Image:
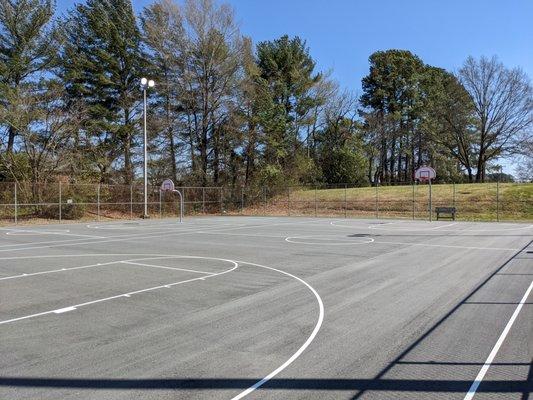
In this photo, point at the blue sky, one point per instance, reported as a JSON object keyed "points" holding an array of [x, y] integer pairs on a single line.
{"points": [[343, 33]]}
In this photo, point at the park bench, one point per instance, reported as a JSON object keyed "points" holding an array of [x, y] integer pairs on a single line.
{"points": [[446, 210]]}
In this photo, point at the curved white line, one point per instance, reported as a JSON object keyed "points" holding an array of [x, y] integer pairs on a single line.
{"points": [[258, 384], [66, 232], [302, 347], [358, 224], [384, 225], [129, 294], [340, 242]]}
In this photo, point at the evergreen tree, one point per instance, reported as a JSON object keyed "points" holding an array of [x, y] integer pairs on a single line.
{"points": [[289, 73], [27, 49], [101, 65]]}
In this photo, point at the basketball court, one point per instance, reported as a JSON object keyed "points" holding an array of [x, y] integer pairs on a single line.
{"points": [[266, 308]]}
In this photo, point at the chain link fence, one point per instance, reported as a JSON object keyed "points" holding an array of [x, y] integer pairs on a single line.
{"points": [[473, 202], [57, 202]]}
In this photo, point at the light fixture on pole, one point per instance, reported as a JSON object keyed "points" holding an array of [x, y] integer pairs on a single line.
{"points": [[145, 84]]}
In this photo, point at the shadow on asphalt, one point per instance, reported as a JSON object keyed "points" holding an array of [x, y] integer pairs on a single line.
{"points": [[360, 386]]}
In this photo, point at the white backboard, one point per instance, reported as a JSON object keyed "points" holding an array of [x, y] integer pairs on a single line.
{"points": [[425, 173], [167, 185]]}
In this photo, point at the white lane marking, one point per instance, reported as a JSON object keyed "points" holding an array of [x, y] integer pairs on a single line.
{"points": [[327, 241], [57, 270], [461, 228], [242, 234], [386, 242], [75, 242], [123, 238], [168, 285], [162, 232], [163, 267], [140, 226], [64, 310], [444, 226], [479, 378], [78, 240], [252, 388], [499, 229], [66, 232], [302, 348], [451, 246], [74, 268], [358, 224]]}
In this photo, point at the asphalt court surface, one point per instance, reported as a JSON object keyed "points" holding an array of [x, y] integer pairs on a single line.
{"points": [[266, 308]]}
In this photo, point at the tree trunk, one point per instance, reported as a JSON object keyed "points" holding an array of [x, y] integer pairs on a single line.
{"points": [[11, 139], [128, 167], [216, 156], [480, 168], [173, 154]]}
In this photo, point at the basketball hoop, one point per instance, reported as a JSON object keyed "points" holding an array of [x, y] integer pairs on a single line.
{"points": [[168, 186], [425, 174]]}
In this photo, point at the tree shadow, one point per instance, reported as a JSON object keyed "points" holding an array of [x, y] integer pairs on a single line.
{"points": [[525, 387]]}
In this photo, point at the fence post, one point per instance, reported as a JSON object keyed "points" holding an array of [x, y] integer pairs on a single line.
{"points": [[413, 201], [60, 201], [203, 200], [242, 200], [498, 200], [16, 204], [377, 200], [454, 194], [430, 202], [345, 200], [289, 200], [131, 201], [316, 206], [98, 202], [263, 192], [160, 205], [221, 206]]}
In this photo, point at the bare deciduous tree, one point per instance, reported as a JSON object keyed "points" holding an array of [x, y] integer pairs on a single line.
{"points": [[503, 100]]}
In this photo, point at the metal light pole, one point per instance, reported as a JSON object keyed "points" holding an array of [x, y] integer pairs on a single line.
{"points": [[145, 84]]}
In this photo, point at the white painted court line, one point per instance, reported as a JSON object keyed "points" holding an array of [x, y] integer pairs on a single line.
{"points": [[451, 246], [444, 226], [357, 224], [377, 242], [52, 271], [35, 232], [252, 388], [129, 294], [498, 229], [479, 378], [64, 310], [76, 242], [242, 234], [461, 228], [100, 237], [160, 232], [302, 348], [25, 275], [163, 267], [328, 240]]}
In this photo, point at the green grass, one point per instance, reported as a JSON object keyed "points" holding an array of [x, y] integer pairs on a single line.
{"points": [[473, 201]]}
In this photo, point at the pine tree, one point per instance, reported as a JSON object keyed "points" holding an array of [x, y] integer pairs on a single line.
{"points": [[27, 48], [101, 65]]}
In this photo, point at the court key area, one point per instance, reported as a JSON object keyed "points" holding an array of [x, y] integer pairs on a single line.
{"points": [[266, 308]]}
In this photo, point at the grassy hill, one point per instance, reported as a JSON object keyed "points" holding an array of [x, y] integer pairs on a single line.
{"points": [[473, 201]]}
